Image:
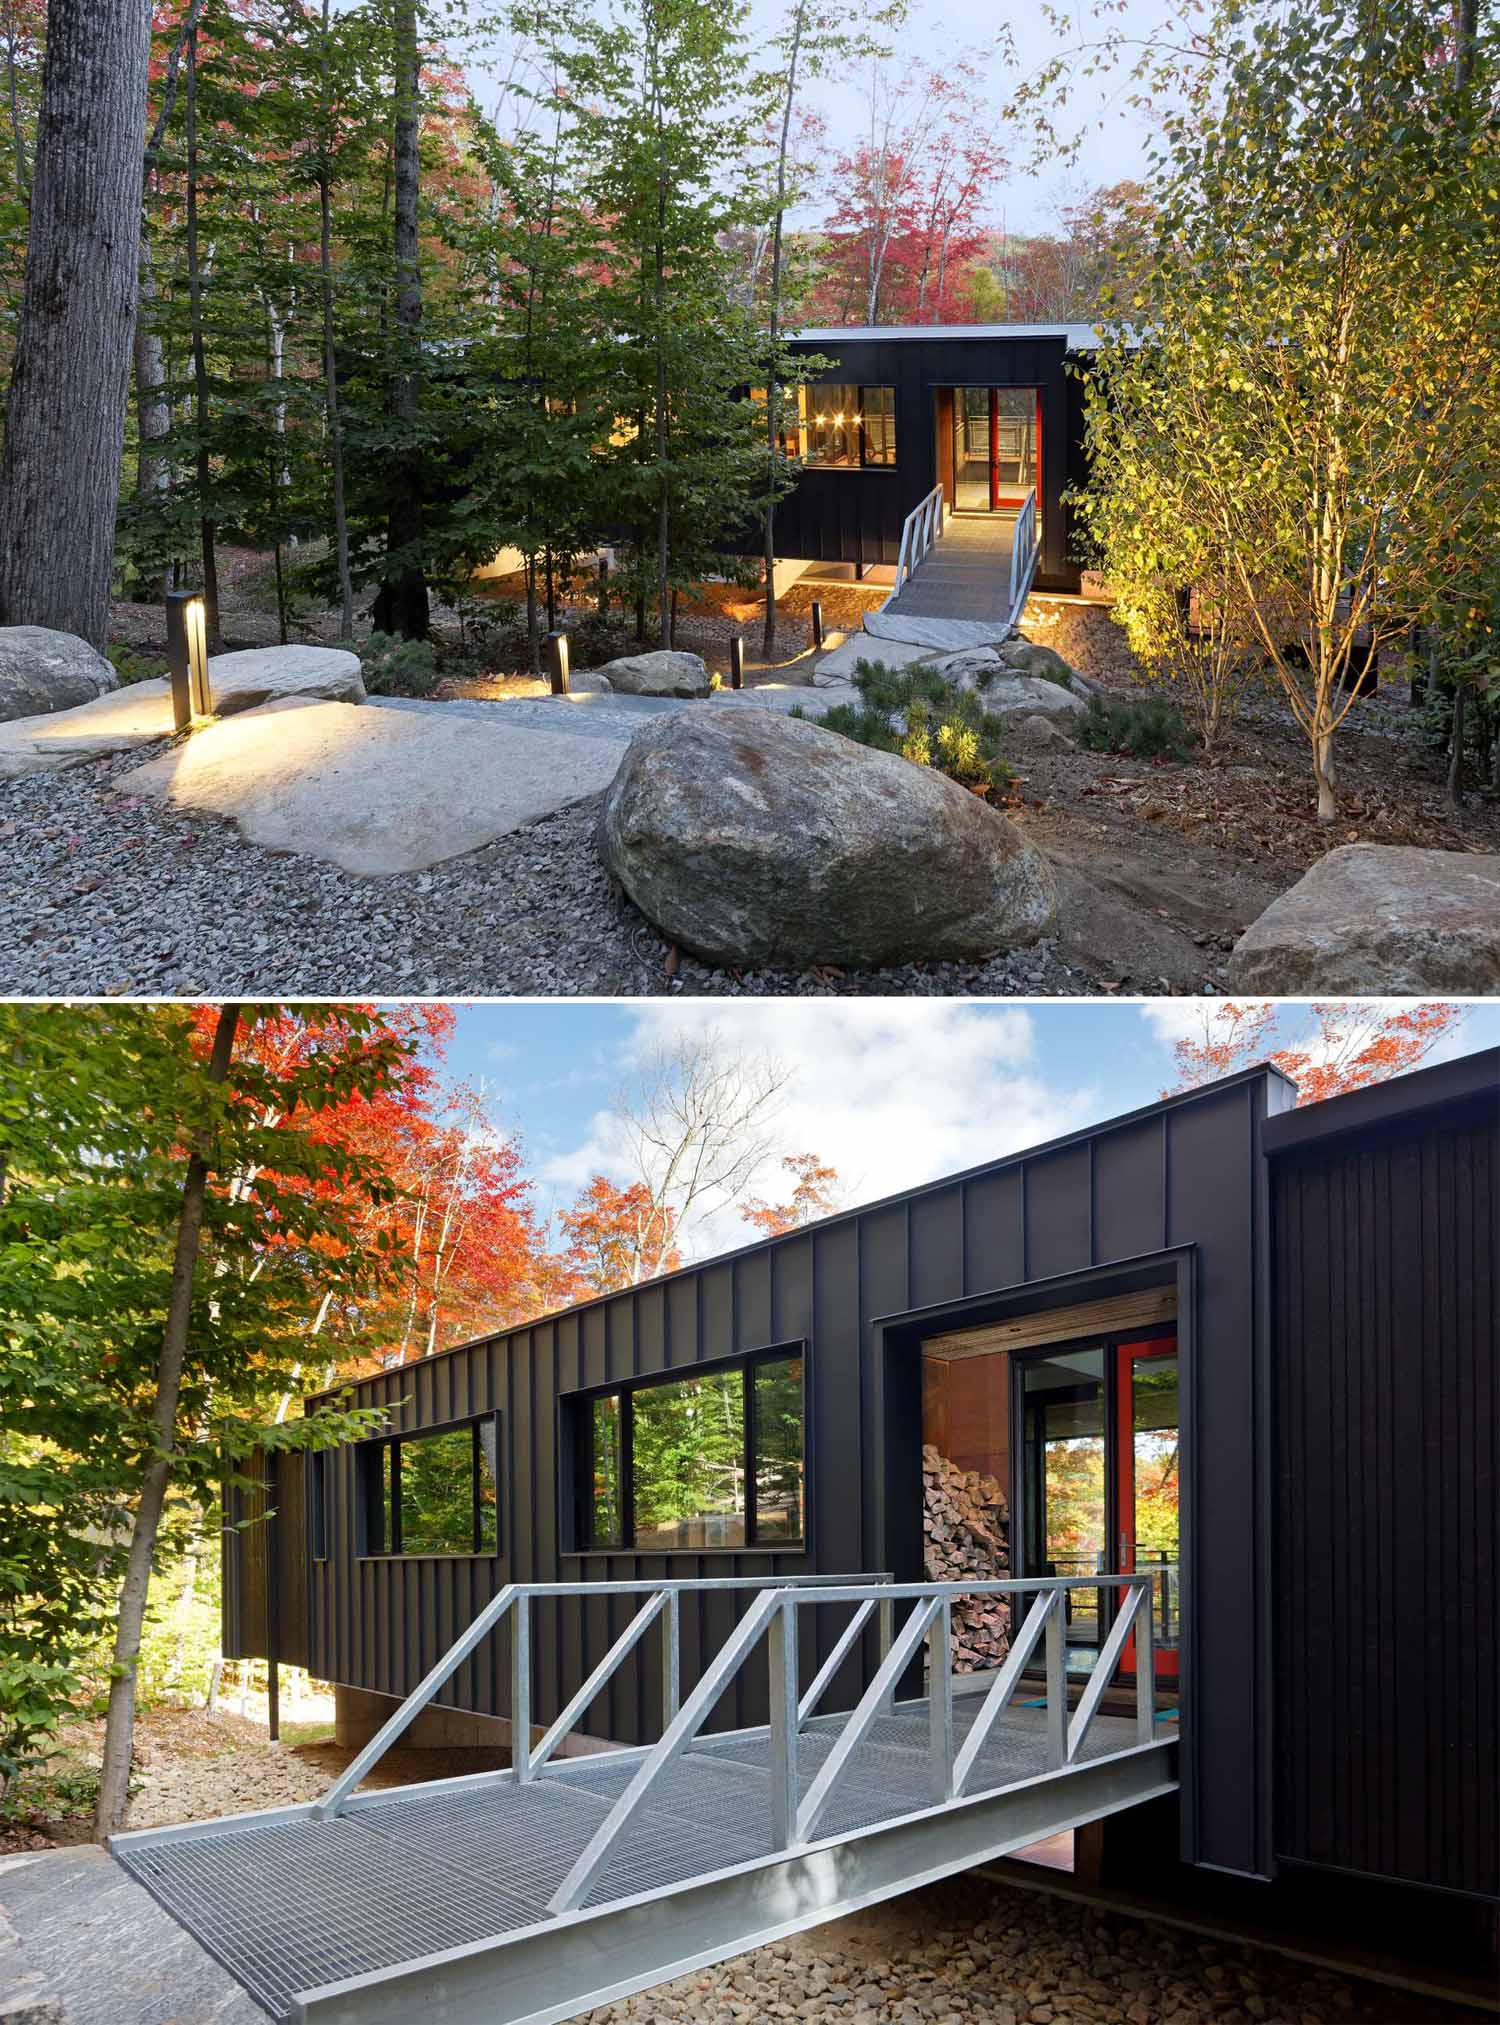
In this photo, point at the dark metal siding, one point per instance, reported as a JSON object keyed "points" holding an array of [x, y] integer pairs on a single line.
{"points": [[1387, 1539], [265, 1566], [1179, 1174], [857, 516]]}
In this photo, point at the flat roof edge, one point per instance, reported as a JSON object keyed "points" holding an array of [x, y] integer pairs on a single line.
{"points": [[1260, 1072], [1466, 1078]]}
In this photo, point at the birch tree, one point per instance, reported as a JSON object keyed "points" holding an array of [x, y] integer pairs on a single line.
{"points": [[1301, 383], [696, 1128]]}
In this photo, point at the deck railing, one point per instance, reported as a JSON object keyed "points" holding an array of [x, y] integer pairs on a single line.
{"points": [[923, 526], [1023, 552], [796, 1815]]}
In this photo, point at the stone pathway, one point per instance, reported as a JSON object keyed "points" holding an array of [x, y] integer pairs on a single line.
{"points": [[596, 715], [377, 791], [107, 1950]]}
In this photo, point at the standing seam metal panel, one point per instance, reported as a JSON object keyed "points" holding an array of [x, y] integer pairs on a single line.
{"points": [[1387, 1545]]}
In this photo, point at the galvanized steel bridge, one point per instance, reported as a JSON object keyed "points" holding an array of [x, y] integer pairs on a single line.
{"points": [[961, 579], [530, 1895]]}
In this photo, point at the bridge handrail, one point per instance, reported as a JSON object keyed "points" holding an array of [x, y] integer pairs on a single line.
{"points": [[922, 527], [796, 1817], [1023, 554], [517, 1597], [773, 1614]]}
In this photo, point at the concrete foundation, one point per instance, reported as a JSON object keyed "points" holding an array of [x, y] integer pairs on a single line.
{"points": [[358, 1715]]}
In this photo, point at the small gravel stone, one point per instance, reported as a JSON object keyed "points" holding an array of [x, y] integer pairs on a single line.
{"points": [[104, 894]]}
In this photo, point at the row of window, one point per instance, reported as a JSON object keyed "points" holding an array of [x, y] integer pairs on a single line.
{"points": [[712, 1459]]}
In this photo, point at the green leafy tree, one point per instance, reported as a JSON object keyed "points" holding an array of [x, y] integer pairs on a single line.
{"points": [[665, 107], [171, 1216], [1298, 405]]}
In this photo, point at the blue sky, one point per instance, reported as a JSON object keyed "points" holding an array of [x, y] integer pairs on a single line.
{"points": [[890, 1091]]}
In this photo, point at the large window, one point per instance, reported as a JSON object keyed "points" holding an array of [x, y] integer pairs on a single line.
{"points": [[847, 427], [711, 1459], [433, 1493]]}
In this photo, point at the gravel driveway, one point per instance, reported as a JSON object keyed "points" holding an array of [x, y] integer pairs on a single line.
{"points": [[103, 894]]}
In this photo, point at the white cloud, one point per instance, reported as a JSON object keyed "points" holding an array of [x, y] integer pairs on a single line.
{"points": [[891, 1092]]}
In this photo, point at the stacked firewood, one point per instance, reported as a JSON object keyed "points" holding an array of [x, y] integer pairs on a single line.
{"points": [[966, 1530]]}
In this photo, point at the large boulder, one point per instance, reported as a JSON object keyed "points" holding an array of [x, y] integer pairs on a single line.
{"points": [[1005, 693], [749, 837], [664, 673], [270, 674], [1379, 918], [42, 671]]}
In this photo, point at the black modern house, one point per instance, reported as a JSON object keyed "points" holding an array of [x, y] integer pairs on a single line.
{"points": [[1250, 1349], [986, 411]]}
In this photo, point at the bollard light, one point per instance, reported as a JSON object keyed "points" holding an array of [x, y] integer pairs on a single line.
{"points": [[187, 658], [202, 696], [178, 664], [737, 662], [557, 662], [817, 619]]}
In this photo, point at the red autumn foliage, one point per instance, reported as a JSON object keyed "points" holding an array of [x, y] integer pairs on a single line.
{"points": [[462, 1222], [815, 1194], [1354, 1043], [617, 1237]]}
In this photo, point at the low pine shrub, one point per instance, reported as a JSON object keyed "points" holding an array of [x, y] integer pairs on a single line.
{"points": [[1151, 728], [932, 722], [395, 667]]}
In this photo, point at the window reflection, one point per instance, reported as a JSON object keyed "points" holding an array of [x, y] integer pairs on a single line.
{"points": [[710, 1459]]}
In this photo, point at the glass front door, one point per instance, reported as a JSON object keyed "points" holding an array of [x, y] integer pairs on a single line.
{"points": [[996, 447], [1066, 1466], [1099, 1481]]}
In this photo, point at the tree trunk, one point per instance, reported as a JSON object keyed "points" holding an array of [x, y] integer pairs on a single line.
{"points": [[402, 606], [1456, 746], [773, 392], [331, 412], [330, 360], [207, 529], [153, 410], [70, 380], [119, 1729], [664, 490], [1323, 768]]}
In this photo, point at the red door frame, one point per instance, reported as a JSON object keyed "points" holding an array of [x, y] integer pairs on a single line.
{"points": [[1127, 1356]]}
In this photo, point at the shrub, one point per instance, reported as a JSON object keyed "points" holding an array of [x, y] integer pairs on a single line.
{"points": [[1149, 729], [133, 667], [395, 667], [932, 722], [597, 637]]}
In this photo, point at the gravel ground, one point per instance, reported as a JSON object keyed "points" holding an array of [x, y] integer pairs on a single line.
{"points": [[972, 1949], [102, 894]]}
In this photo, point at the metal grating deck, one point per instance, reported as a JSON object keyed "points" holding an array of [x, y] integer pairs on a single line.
{"points": [[287, 1903]]}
